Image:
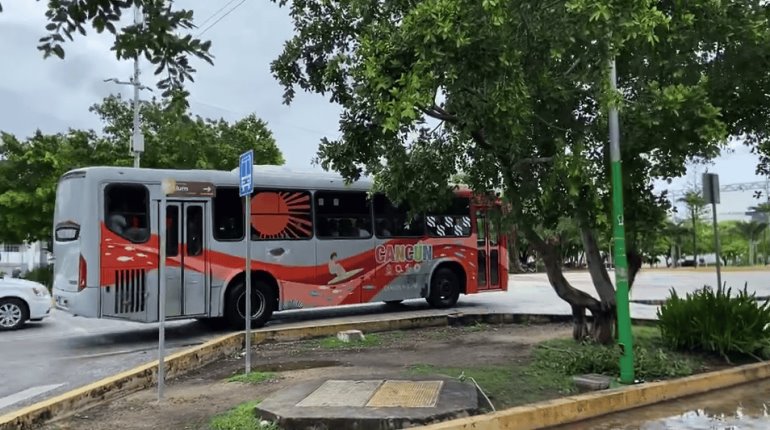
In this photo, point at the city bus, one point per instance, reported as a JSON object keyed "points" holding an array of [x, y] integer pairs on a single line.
{"points": [[316, 241]]}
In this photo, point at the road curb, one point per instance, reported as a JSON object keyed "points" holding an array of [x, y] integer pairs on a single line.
{"points": [[181, 362], [568, 410]]}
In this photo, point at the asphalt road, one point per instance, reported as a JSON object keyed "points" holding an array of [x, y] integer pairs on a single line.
{"points": [[64, 352]]}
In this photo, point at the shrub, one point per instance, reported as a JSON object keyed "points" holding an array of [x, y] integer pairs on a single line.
{"points": [[44, 275], [714, 321], [651, 359]]}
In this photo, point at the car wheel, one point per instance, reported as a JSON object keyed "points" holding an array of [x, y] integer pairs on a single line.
{"points": [[444, 289], [13, 314], [262, 305]]}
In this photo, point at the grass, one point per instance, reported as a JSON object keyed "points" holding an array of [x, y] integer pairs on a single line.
{"points": [[241, 417], [506, 386], [253, 377], [332, 342], [549, 374]]}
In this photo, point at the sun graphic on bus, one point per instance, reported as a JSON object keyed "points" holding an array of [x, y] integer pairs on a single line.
{"points": [[281, 215]]}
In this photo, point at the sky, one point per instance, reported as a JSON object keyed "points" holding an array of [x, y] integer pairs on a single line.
{"points": [[53, 95]]}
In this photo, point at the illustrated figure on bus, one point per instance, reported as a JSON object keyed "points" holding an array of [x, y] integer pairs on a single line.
{"points": [[339, 272]]}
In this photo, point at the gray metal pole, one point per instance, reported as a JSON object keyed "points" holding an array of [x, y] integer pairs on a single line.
{"points": [[136, 84], [162, 296], [716, 243], [247, 211]]}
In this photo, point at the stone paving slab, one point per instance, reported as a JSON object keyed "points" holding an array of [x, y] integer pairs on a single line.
{"points": [[366, 403]]}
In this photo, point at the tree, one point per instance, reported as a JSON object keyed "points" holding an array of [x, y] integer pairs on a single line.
{"points": [[160, 39], [514, 94], [751, 230], [30, 169], [763, 210], [696, 205]]}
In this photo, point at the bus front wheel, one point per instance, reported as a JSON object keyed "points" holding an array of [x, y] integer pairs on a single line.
{"points": [[262, 304], [444, 288]]}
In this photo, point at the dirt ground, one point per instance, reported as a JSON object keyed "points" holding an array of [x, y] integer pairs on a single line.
{"points": [[192, 400]]}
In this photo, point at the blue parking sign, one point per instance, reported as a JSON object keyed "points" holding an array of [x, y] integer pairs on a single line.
{"points": [[247, 164]]}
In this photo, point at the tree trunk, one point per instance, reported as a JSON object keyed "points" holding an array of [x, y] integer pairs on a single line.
{"points": [[694, 238], [578, 300], [596, 269], [514, 263]]}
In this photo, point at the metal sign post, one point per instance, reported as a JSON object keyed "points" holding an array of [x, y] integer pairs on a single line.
{"points": [[711, 195], [167, 186], [246, 188]]}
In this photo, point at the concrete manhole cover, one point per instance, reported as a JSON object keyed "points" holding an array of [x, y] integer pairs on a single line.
{"points": [[406, 394]]}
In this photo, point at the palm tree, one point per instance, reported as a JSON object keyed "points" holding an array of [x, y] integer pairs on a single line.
{"points": [[675, 230], [695, 207], [751, 230]]}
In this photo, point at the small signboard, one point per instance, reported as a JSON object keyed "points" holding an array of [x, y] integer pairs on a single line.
{"points": [[711, 188], [174, 188], [246, 164]]}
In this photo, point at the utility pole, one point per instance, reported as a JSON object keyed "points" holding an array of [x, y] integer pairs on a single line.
{"points": [[625, 337], [137, 138]]}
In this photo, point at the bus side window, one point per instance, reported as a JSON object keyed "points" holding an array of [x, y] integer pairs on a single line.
{"points": [[392, 221], [126, 211], [228, 214], [454, 221], [343, 214]]}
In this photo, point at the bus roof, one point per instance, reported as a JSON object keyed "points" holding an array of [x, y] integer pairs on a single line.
{"points": [[264, 176]]}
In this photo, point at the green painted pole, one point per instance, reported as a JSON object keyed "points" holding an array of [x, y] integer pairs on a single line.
{"points": [[625, 338]]}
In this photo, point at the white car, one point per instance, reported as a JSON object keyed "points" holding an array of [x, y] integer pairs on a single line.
{"points": [[22, 301]]}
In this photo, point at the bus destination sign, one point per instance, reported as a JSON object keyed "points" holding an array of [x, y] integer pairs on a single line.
{"points": [[174, 188]]}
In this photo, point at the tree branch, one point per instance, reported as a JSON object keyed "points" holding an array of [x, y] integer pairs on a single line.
{"points": [[532, 160], [439, 113]]}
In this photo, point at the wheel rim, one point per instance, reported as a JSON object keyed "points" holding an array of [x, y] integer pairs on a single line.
{"points": [[10, 315], [257, 304]]}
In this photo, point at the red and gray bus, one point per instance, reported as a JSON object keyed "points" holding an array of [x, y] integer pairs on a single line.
{"points": [[316, 241]]}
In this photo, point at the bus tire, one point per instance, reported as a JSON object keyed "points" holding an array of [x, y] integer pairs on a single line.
{"points": [[262, 304], [444, 288]]}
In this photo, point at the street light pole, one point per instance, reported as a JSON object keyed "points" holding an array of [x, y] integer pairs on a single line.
{"points": [[137, 138], [625, 337]]}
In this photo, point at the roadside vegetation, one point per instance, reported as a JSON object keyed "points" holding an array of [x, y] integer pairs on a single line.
{"points": [[241, 417], [717, 322]]}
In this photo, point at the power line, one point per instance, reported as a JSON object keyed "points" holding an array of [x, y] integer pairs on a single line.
{"points": [[215, 13], [221, 18]]}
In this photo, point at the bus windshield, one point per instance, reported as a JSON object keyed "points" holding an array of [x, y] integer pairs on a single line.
{"points": [[68, 208]]}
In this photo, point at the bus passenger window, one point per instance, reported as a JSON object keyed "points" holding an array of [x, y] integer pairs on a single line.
{"points": [[126, 211], [194, 231], [392, 221], [228, 214], [172, 231], [343, 214], [454, 221]]}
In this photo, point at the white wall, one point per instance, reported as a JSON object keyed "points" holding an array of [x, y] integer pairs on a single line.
{"points": [[29, 257]]}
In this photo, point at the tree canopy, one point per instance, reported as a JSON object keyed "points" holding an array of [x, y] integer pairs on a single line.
{"points": [[30, 168], [515, 96]]}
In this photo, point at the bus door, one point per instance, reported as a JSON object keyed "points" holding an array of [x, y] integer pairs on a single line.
{"points": [[187, 288], [488, 244]]}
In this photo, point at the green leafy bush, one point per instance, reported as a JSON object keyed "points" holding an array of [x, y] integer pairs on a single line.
{"points": [[714, 321], [652, 360], [44, 275]]}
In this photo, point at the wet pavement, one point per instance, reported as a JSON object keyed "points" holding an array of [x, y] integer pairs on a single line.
{"points": [[741, 408]]}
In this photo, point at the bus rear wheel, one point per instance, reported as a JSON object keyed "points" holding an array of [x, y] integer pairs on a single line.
{"points": [[262, 304], [444, 289]]}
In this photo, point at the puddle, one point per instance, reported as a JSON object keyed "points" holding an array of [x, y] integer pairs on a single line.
{"points": [[295, 365], [746, 407]]}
